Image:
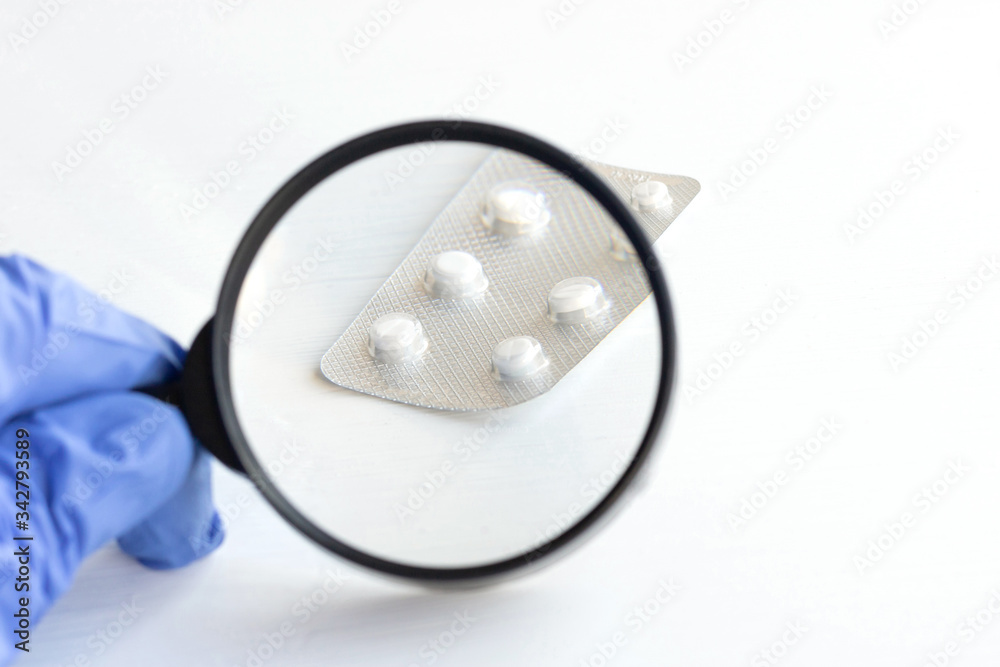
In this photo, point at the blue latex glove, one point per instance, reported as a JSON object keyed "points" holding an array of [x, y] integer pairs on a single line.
{"points": [[104, 462]]}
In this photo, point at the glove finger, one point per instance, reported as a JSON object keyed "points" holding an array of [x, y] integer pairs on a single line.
{"points": [[99, 466], [184, 529], [60, 341]]}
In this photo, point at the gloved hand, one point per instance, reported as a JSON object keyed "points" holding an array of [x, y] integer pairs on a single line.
{"points": [[95, 461]]}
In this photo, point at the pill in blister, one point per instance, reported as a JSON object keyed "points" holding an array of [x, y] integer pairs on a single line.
{"points": [[396, 338], [650, 195], [515, 208], [576, 300], [518, 358], [454, 275], [529, 228]]}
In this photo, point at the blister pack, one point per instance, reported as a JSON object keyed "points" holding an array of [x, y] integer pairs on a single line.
{"points": [[512, 285]]}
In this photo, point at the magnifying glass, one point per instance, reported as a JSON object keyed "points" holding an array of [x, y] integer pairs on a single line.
{"points": [[442, 351]]}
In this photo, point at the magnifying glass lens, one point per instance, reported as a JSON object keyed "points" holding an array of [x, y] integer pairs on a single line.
{"points": [[443, 356]]}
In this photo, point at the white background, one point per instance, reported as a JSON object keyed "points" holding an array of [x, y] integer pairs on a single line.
{"points": [[795, 560]]}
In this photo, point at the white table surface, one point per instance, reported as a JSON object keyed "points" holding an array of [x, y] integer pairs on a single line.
{"points": [[884, 98]]}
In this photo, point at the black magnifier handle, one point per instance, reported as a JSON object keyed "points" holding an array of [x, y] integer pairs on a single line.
{"points": [[168, 392], [194, 393]]}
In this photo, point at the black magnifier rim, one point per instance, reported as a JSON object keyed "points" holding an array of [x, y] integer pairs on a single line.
{"points": [[357, 149]]}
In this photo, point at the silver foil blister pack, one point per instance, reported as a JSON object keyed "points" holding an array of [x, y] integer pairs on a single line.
{"points": [[519, 277]]}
